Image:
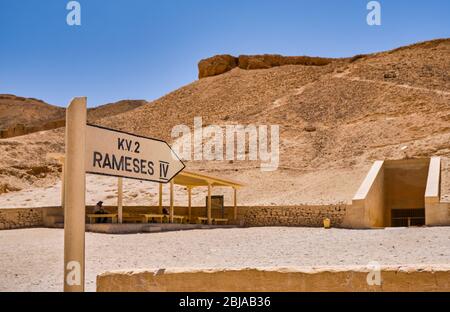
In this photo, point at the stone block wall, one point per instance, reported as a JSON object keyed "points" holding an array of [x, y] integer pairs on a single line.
{"points": [[310, 216], [21, 218]]}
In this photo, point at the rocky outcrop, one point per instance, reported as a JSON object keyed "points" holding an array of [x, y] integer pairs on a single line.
{"points": [[268, 60], [216, 65], [220, 64]]}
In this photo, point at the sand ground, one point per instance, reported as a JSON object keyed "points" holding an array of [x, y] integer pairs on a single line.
{"points": [[31, 259]]}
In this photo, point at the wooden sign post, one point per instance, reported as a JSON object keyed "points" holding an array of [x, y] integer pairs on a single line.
{"points": [[98, 150], [74, 196]]}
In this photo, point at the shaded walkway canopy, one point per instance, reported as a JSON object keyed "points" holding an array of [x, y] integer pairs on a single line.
{"points": [[190, 180], [185, 178]]}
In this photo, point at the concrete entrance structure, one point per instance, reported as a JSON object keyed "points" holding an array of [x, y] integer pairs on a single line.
{"points": [[399, 192]]}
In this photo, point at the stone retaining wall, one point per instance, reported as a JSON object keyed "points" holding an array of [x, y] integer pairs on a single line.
{"points": [[311, 216], [21, 218], [341, 279]]}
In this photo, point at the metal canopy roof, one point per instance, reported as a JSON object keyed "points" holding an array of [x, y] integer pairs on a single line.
{"points": [[189, 178]]}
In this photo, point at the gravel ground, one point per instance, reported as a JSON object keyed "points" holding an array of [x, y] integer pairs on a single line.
{"points": [[31, 259]]}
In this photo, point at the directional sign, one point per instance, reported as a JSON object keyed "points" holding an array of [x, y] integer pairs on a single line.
{"points": [[120, 154]]}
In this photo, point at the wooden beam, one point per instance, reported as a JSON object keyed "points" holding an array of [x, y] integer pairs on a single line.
{"points": [[208, 179], [209, 205], [120, 199], [171, 202]]}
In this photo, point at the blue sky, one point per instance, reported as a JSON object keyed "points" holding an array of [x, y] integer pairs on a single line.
{"points": [[143, 49]]}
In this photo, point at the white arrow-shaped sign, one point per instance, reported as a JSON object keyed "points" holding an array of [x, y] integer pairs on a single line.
{"points": [[120, 154]]}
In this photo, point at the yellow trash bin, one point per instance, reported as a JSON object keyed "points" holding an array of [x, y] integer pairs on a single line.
{"points": [[326, 223]]}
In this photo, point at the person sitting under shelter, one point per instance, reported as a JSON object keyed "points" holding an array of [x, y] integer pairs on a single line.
{"points": [[99, 210]]}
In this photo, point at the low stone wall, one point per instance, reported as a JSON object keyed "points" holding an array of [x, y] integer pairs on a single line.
{"points": [[342, 279], [21, 218], [310, 216]]}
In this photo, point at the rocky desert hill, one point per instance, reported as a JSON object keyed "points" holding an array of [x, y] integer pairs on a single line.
{"points": [[27, 111], [20, 116], [335, 118], [24, 160]]}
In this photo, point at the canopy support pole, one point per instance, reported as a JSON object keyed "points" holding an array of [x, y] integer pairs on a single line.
{"points": [[189, 189], [171, 202], [235, 212], [209, 204], [120, 199], [160, 197]]}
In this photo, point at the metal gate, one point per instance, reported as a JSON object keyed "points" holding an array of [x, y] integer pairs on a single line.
{"points": [[408, 217]]}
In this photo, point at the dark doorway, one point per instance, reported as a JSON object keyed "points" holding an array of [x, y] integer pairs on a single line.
{"points": [[404, 192], [408, 217], [217, 206]]}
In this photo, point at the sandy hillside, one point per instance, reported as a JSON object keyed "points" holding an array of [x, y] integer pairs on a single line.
{"points": [[112, 109], [334, 121]]}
